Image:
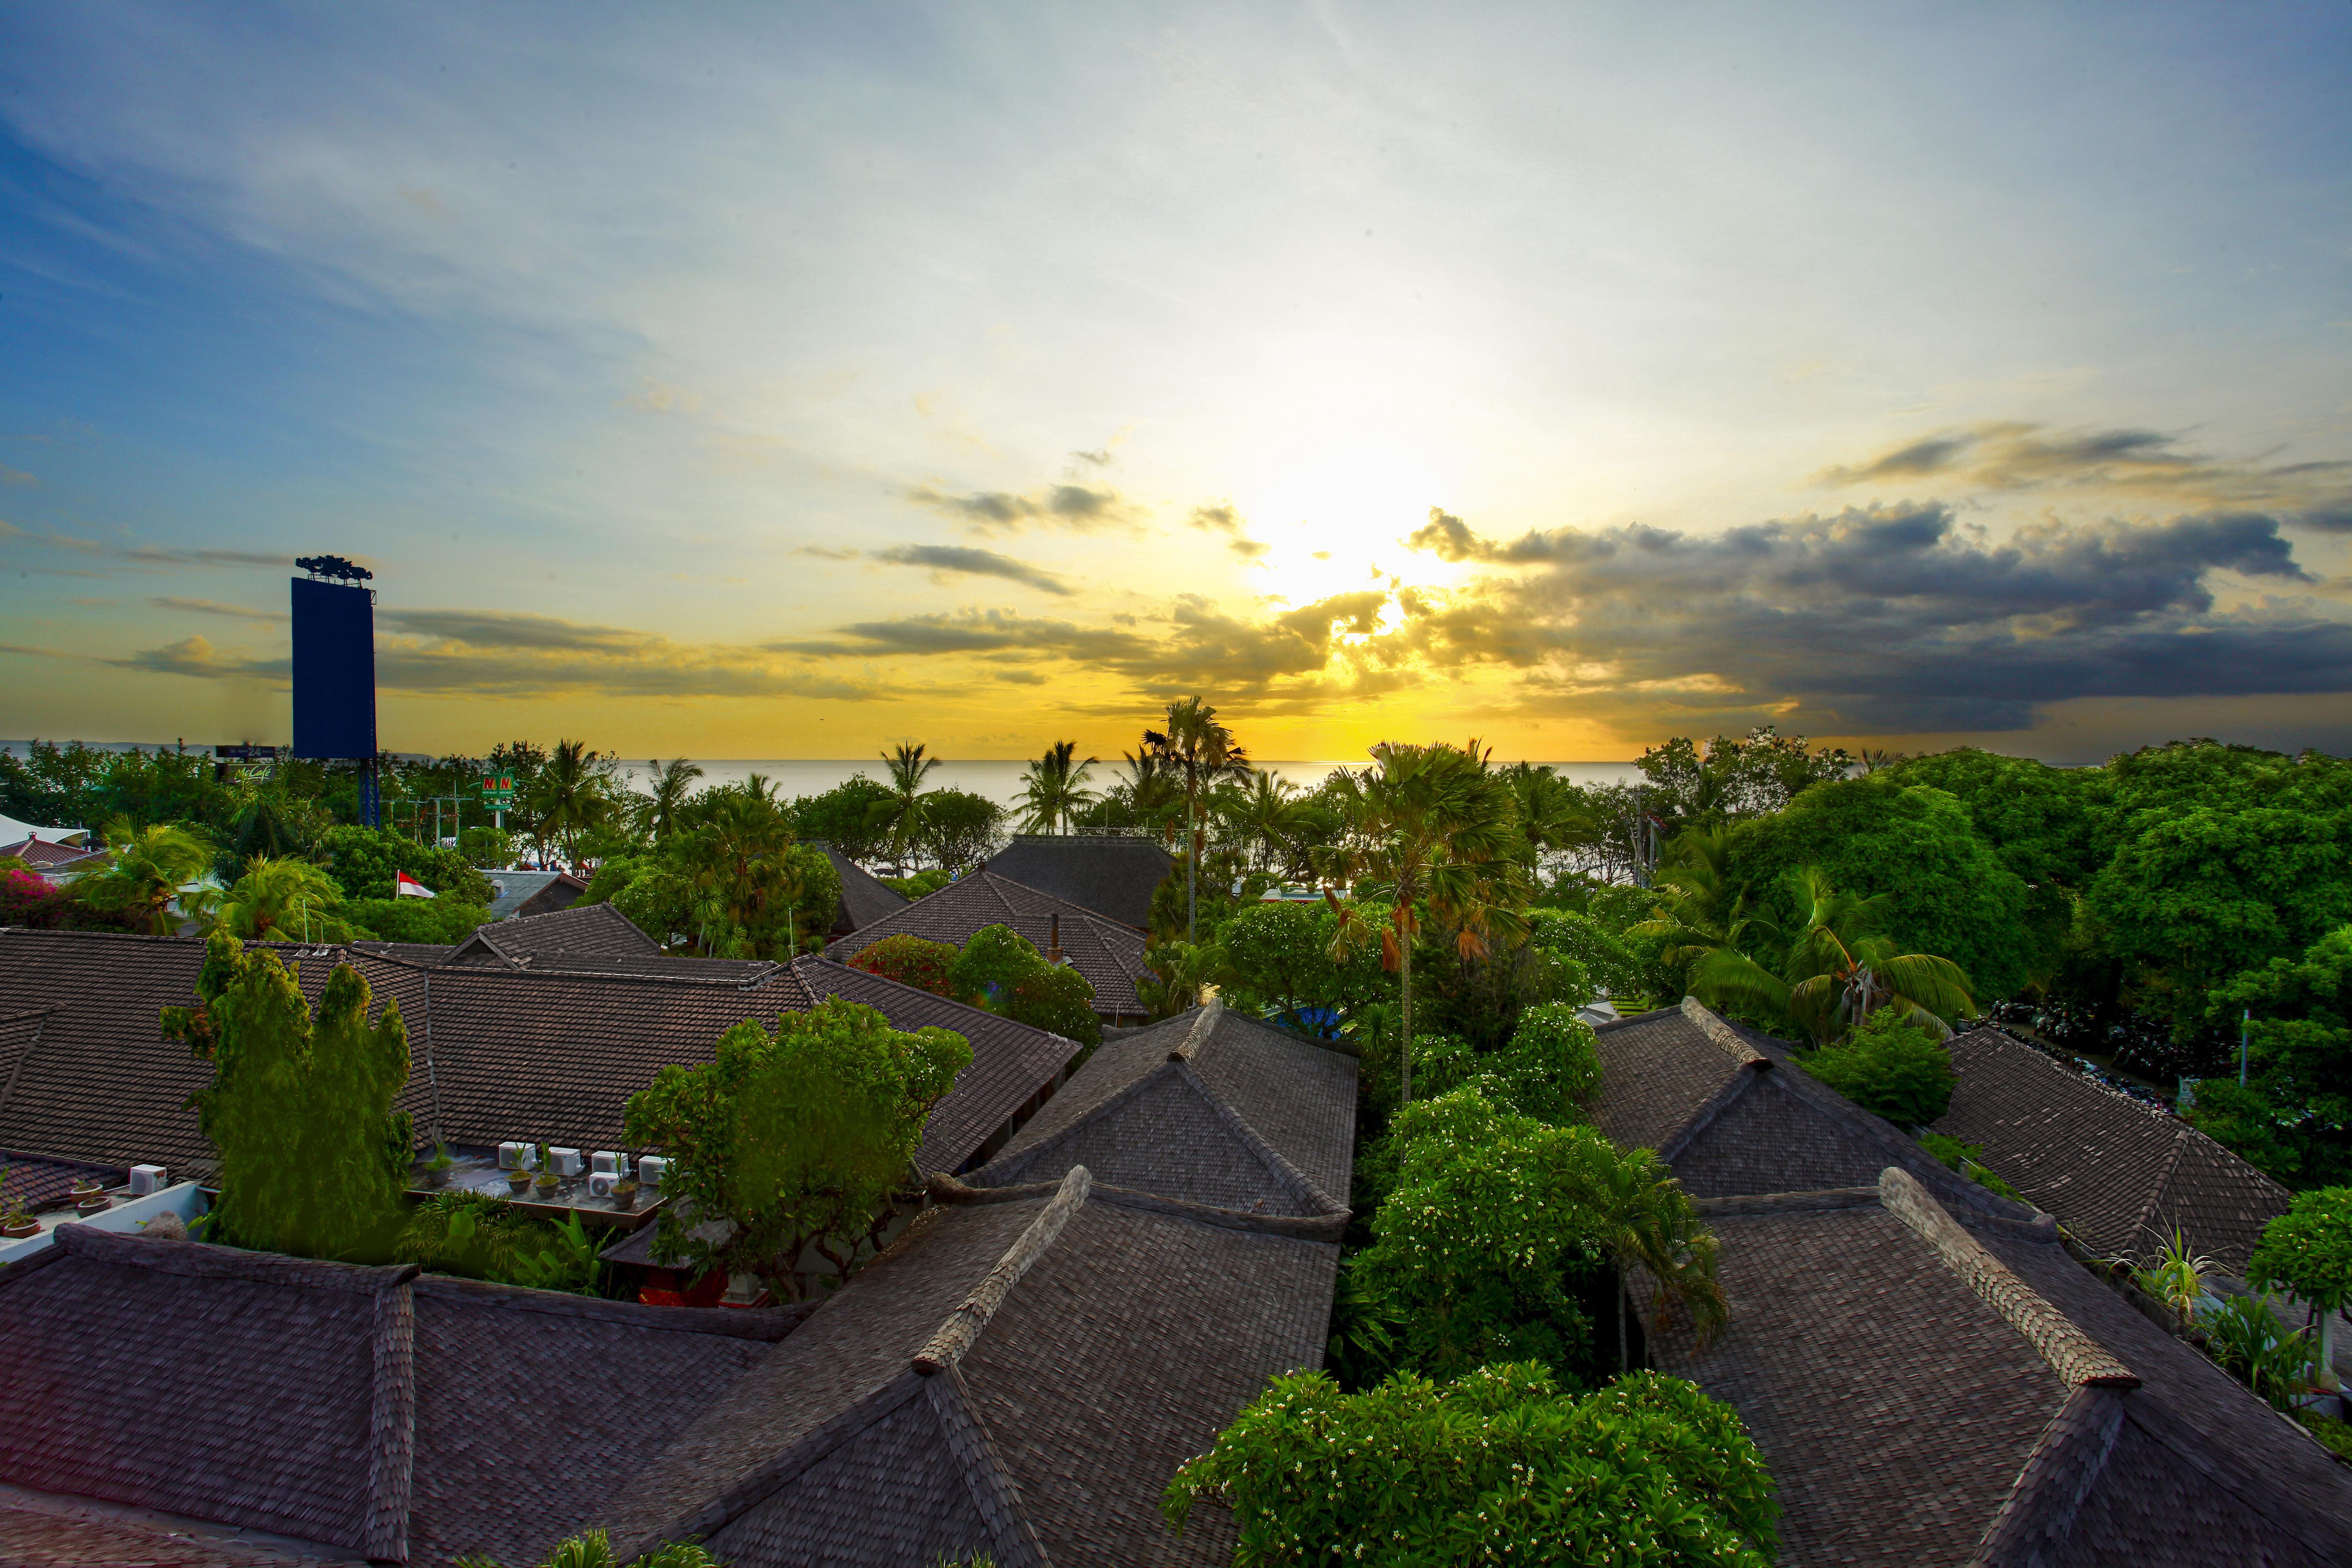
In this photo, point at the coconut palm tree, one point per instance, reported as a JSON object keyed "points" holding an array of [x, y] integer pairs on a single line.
{"points": [[904, 817], [1841, 968], [664, 810], [571, 797], [1054, 790], [1430, 828], [283, 900], [1195, 752], [1697, 909], [1648, 1223], [1268, 816], [149, 866]]}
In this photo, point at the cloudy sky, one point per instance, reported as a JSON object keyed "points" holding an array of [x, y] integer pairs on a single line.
{"points": [[762, 381]]}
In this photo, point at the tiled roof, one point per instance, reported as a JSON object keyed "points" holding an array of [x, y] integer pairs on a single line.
{"points": [[1210, 1108], [1111, 955], [1110, 874], [42, 856], [550, 941], [38, 1181], [496, 1053], [2118, 1174], [1922, 1392], [1659, 1072], [1018, 1375], [364, 1409], [518, 888], [864, 898], [1011, 1063], [38, 1530]]}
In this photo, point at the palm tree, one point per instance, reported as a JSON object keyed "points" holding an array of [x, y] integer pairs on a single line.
{"points": [[1268, 816], [1697, 909], [738, 864], [673, 787], [1055, 790], [1841, 968], [571, 796], [283, 900], [903, 817], [1151, 795], [1432, 827], [148, 869], [1196, 750], [1649, 1222]]}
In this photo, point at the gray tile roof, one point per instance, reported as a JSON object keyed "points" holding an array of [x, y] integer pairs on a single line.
{"points": [[1925, 1391], [1212, 1108], [539, 890], [864, 898], [1111, 955], [579, 930], [1112, 875], [362, 1409], [2118, 1174], [1018, 1374], [497, 1053]]}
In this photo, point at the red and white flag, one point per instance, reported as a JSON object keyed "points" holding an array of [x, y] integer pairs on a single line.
{"points": [[409, 886]]}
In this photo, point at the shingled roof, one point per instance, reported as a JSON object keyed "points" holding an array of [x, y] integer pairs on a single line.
{"points": [[864, 898], [1731, 1112], [1111, 955], [1110, 874], [497, 1053], [526, 893], [548, 940], [2118, 1174], [1018, 1374], [1210, 1107], [366, 1410], [1927, 1391]]}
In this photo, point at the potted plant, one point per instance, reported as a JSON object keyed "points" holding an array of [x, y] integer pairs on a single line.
{"points": [[624, 1194], [88, 1196], [16, 1222], [547, 1184], [519, 1180], [436, 1169]]}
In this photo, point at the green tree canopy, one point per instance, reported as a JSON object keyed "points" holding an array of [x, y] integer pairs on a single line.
{"points": [[149, 866], [1000, 970], [842, 817], [2294, 1118], [283, 900], [960, 829], [799, 1137], [1498, 1467], [312, 1154], [910, 960], [2309, 1251], [443, 921], [1889, 1065], [365, 863], [1281, 965]]}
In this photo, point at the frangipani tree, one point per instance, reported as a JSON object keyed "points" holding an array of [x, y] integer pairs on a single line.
{"points": [[1435, 831], [2309, 1251], [1841, 968]]}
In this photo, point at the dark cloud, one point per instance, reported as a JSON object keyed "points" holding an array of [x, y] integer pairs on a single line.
{"points": [[196, 656], [144, 554], [213, 607], [1100, 458], [1449, 538], [1929, 457], [1219, 516], [1884, 618], [1062, 506], [1248, 549], [949, 558], [503, 629]]}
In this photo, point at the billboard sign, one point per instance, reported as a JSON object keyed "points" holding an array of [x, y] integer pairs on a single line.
{"points": [[334, 669]]}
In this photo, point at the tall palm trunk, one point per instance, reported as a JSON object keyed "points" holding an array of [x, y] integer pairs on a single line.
{"points": [[1404, 1046]]}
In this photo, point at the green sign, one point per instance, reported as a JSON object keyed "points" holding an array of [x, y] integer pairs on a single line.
{"points": [[498, 791]]}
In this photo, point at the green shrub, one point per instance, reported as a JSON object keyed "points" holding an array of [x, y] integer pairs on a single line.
{"points": [[1000, 971], [364, 863], [1497, 1468], [1890, 1066], [442, 920], [2337, 1434], [1968, 1160], [1579, 938], [910, 961]]}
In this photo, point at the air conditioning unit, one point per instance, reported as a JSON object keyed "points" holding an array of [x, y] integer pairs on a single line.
{"points": [[567, 1161], [606, 1160], [651, 1169], [146, 1179], [517, 1156]]}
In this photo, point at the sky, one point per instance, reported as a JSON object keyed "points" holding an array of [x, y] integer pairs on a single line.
{"points": [[783, 382]]}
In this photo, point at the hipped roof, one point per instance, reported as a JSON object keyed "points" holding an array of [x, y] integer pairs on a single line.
{"points": [[1111, 955], [1113, 875]]}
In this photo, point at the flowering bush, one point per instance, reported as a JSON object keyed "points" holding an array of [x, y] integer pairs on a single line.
{"points": [[909, 961], [1499, 1466]]}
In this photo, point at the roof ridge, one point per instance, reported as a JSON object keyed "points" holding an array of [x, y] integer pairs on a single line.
{"points": [[986, 1473], [1806, 1201], [2076, 1356], [203, 1259], [1257, 1143], [391, 1421], [1204, 1025], [2037, 1516], [487, 1295], [2155, 1188], [1713, 1027], [955, 1335]]}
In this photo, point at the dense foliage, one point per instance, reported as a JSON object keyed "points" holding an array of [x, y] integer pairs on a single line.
{"points": [[364, 861], [1889, 1065], [312, 1154], [1499, 1467], [1279, 963], [2294, 1117], [799, 1136]]}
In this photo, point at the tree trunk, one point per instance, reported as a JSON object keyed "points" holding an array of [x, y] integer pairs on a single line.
{"points": [[2328, 1378], [1405, 1045], [1192, 868]]}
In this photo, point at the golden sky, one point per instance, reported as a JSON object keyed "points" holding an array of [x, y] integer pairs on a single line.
{"points": [[782, 384]]}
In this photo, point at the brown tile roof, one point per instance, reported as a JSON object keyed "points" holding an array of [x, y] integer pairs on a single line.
{"points": [[364, 1409], [1110, 874], [1212, 1108], [582, 930], [1928, 1392], [42, 856], [38, 1530], [1660, 1072], [496, 1053], [864, 898], [38, 1181], [1111, 955], [2118, 1174], [1017, 1374]]}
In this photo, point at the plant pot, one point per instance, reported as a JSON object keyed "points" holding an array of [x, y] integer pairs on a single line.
{"points": [[97, 1205], [19, 1232], [519, 1185], [433, 1178], [547, 1191], [624, 1202]]}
